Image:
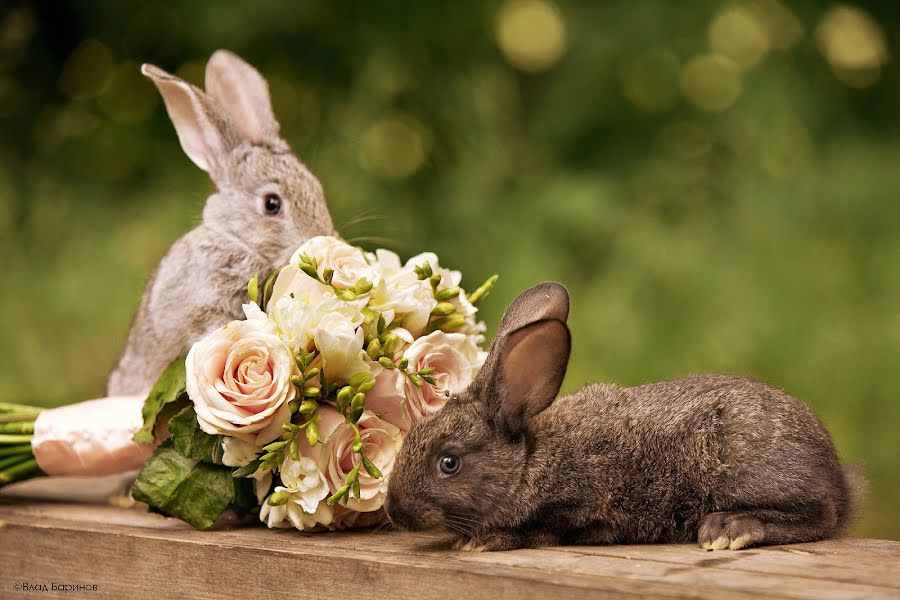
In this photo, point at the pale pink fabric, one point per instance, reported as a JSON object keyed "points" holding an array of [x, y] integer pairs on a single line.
{"points": [[90, 438]]}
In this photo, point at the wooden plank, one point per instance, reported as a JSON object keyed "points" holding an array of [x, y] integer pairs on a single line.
{"points": [[130, 553]]}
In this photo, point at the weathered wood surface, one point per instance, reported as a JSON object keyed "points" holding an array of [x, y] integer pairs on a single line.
{"points": [[129, 553]]}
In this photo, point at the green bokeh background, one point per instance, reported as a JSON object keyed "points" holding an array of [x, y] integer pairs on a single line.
{"points": [[734, 213]]}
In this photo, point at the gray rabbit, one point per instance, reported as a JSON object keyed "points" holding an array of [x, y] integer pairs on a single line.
{"points": [[727, 461], [266, 204]]}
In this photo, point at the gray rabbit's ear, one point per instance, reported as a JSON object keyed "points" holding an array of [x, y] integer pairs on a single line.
{"points": [[548, 300], [532, 366], [243, 93], [205, 133]]}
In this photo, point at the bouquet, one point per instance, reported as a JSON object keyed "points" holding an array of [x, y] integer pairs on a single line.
{"points": [[299, 410]]}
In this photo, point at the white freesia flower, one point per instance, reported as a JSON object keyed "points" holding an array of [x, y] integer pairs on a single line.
{"points": [[237, 452], [292, 514], [296, 318], [304, 481], [340, 343], [401, 291]]}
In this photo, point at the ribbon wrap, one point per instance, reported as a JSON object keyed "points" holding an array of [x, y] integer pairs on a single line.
{"points": [[91, 438]]}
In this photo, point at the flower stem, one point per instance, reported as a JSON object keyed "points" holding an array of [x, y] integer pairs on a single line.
{"points": [[13, 450], [19, 472], [18, 409], [7, 439], [17, 427]]}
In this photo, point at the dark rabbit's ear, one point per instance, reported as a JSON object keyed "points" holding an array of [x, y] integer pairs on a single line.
{"points": [[206, 134], [548, 300], [243, 93], [532, 364]]}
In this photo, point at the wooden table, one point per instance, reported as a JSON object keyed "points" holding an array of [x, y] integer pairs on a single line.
{"points": [[128, 553]]}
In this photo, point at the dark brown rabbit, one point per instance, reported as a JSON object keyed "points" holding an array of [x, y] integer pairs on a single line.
{"points": [[727, 461]]}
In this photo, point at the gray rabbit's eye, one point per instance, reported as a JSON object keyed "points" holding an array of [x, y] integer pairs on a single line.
{"points": [[272, 204], [450, 464]]}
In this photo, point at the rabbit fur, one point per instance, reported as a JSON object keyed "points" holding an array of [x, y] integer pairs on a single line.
{"points": [[726, 461], [230, 132]]}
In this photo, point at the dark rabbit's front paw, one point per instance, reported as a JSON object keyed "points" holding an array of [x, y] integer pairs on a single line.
{"points": [[494, 542], [729, 530]]}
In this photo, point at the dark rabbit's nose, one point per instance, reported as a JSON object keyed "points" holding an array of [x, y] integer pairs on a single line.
{"points": [[394, 511]]}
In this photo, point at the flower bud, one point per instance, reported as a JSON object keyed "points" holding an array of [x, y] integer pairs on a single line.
{"points": [[391, 341], [344, 294], [328, 275], [253, 289], [447, 294], [435, 280], [359, 378], [308, 407], [311, 392], [370, 467], [343, 397], [416, 380], [404, 362], [312, 433], [374, 349], [314, 372], [454, 322], [274, 446], [485, 289], [278, 498], [386, 362], [297, 380], [443, 309], [363, 286], [366, 386], [357, 405]]}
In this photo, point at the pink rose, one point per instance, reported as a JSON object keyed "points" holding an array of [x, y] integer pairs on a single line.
{"points": [[239, 379], [455, 359], [335, 457], [348, 263]]}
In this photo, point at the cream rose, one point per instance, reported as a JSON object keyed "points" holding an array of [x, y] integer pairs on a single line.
{"points": [[239, 379], [335, 457], [455, 359]]}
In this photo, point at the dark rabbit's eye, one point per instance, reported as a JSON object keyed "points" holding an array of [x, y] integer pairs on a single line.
{"points": [[450, 464], [272, 204]]}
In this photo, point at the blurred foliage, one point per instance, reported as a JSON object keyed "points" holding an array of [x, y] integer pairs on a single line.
{"points": [[715, 182]]}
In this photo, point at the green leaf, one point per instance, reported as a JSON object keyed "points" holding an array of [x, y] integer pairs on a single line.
{"points": [[193, 442], [184, 488], [168, 388]]}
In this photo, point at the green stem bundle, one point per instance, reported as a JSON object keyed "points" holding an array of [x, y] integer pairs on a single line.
{"points": [[17, 461]]}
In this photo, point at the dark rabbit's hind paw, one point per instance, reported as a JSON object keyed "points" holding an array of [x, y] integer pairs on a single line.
{"points": [[730, 531]]}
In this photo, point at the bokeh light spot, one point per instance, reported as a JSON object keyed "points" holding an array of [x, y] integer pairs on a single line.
{"points": [[739, 32], [394, 147], [651, 80], [531, 34], [853, 44], [711, 82], [87, 71]]}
